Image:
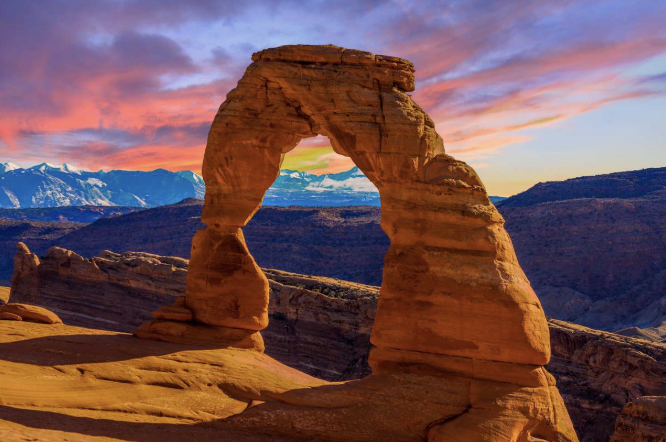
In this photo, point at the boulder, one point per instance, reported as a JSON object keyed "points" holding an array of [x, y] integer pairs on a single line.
{"points": [[31, 313]]}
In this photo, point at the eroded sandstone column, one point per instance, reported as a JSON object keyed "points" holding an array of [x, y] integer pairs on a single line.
{"points": [[25, 278], [454, 298]]}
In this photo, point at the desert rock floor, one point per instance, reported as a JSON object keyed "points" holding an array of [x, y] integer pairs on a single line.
{"points": [[63, 383]]}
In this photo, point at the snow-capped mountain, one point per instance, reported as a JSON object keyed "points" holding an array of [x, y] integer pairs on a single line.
{"points": [[192, 177], [294, 188], [350, 188], [50, 185], [7, 167]]}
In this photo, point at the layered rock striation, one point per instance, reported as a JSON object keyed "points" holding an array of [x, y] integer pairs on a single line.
{"points": [[600, 373], [643, 420], [111, 291]]}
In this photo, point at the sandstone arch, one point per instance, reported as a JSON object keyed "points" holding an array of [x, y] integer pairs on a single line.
{"points": [[453, 298]]}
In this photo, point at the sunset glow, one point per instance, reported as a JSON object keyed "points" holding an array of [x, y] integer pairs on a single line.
{"points": [[525, 91]]}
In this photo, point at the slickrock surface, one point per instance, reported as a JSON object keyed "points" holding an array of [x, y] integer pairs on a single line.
{"points": [[643, 420], [68, 383], [321, 326], [64, 383]]}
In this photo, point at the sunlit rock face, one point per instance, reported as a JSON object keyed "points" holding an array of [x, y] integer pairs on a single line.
{"points": [[454, 300]]}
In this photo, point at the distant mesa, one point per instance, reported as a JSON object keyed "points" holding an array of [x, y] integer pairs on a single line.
{"points": [[619, 185], [595, 249]]}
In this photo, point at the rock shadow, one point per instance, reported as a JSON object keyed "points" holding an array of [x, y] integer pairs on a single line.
{"points": [[87, 349], [126, 431]]}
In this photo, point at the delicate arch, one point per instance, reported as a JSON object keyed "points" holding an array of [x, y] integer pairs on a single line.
{"points": [[454, 302], [452, 285]]}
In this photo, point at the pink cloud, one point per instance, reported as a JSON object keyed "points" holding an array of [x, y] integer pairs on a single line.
{"points": [[89, 83]]}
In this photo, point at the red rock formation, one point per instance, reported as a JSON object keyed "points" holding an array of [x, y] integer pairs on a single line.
{"points": [[453, 297], [17, 312], [38, 234], [110, 291], [25, 278], [643, 420]]}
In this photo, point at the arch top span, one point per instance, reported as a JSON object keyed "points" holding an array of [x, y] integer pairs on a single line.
{"points": [[357, 99]]}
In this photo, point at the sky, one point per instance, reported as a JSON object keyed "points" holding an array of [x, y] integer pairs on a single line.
{"points": [[523, 90]]}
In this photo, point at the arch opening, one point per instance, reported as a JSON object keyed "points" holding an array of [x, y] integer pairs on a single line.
{"points": [[320, 217], [313, 175]]}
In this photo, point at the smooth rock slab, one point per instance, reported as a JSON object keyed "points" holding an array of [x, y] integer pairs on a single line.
{"points": [[10, 317], [200, 334]]}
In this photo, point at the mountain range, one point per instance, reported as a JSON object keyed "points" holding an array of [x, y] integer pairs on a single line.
{"points": [[49, 185]]}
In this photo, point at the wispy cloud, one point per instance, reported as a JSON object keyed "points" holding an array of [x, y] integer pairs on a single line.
{"points": [[135, 84]]}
